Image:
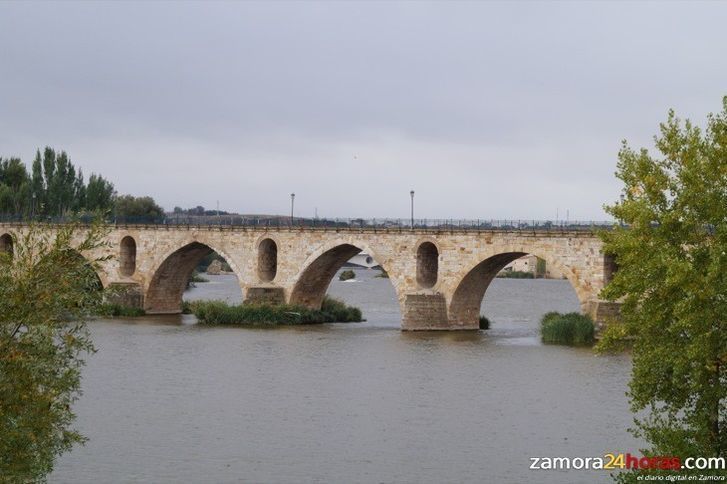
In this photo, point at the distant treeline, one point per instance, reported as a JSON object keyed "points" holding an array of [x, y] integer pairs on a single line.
{"points": [[54, 187], [198, 210]]}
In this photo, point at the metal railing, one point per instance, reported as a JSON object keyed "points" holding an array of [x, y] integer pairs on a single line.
{"points": [[331, 223]]}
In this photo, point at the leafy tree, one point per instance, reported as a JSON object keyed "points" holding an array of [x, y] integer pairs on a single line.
{"points": [[58, 189], [14, 186], [44, 300], [130, 206], [99, 194], [672, 281]]}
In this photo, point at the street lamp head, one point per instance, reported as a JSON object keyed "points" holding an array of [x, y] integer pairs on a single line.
{"points": [[411, 193]]}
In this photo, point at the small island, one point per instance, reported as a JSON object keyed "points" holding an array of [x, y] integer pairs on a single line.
{"points": [[219, 312]]}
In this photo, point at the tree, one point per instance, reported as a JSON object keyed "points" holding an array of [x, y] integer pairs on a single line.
{"points": [[672, 281], [99, 194], [14, 186], [130, 206], [44, 300]]}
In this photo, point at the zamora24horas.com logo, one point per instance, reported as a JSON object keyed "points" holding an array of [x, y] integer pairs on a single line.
{"points": [[628, 461]]}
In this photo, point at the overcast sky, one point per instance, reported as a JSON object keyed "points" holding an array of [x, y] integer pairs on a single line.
{"points": [[486, 110]]}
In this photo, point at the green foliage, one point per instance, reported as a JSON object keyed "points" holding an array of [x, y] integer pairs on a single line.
{"points": [[113, 310], [673, 285], [567, 329], [130, 206], [347, 275], [219, 312], [187, 307], [516, 274], [209, 258], [44, 301], [194, 278], [484, 322], [99, 194], [14, 186], [541, 267], [383, 274], [55, 187]]}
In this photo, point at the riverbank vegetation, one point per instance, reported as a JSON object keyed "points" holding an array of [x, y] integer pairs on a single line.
{"points": [[109, 310], [219, 312], [484, 322], [670, 252], [209, 259], [44, 303], [195, 278], [567, 329], [516, 275]]}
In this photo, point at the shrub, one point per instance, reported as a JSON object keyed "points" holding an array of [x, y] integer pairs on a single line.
{"points": [[219, 312], [516, 275], [117, 310], [187, 307], [383, 274], [194, 278], [346, 275], [484, 322], [568, 329]]}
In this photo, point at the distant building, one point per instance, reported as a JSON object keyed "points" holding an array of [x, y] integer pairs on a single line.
{"points": [[529, 263], [362, 260]]}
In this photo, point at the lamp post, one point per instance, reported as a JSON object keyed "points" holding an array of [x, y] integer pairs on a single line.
{"points": [[412, 209], [292, 205]]}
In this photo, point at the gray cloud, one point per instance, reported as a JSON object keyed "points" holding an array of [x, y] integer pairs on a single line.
{"points": [[487, 110]]}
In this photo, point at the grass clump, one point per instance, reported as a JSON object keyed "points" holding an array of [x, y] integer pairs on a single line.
{"points": [[219, 312], [346, 275], [516, 275], [117, 310], [383, 274], [567, 329], [484, 322]]}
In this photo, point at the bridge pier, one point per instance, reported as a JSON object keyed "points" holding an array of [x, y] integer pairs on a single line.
{"points": [[428, 312], [264, 295], [602, 312], [129, 294]]}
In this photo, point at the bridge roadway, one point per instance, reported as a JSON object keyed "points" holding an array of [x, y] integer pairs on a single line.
{"points": [[440, 275]]}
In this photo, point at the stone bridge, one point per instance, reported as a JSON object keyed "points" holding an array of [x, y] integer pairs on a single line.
{"points": [[440, 276]]}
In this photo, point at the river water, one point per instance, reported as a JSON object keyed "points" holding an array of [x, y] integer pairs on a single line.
{"points": [[168, 400]]}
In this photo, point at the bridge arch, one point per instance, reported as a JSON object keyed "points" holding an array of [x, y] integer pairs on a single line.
{"points": [[98, 282], [318, 270], [172, 271], [473, 282]]}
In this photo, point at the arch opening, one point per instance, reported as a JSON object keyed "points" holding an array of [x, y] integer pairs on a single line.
{"points": [[6, 244], [370, 289], [313, 283], [178, 272], [468, 297], [127, 256], [427, 265], [267, 260]]}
